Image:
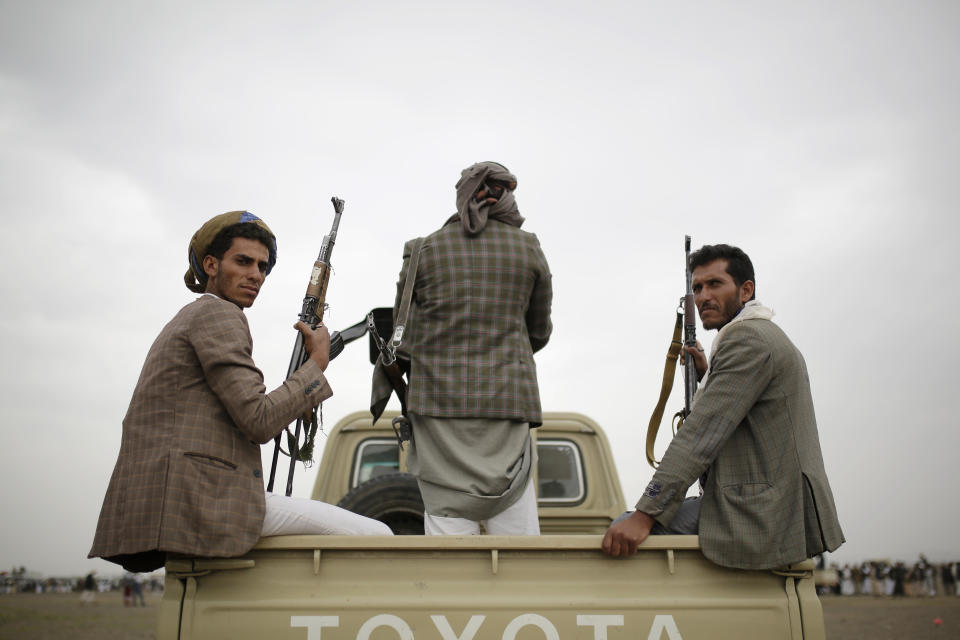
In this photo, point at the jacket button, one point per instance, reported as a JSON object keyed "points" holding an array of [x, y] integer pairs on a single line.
{"points": [[257, 473]]}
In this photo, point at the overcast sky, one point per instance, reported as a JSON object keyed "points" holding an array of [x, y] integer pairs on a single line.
{"points": [[821, 137]]}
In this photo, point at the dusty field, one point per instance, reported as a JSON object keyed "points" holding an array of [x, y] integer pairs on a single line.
{"points": [[29, 616], [49, 617], [869, 618]]}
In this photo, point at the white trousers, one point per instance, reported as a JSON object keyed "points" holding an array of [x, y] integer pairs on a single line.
{"points": [[519, 519], [287, 516]]}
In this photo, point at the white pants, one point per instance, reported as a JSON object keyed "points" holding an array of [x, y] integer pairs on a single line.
{"points": [[519, 519], [288, 516]]}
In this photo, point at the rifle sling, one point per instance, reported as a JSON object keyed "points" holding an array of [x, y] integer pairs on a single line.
{"points": [[401, 322], [669, 370], [401, 424]]}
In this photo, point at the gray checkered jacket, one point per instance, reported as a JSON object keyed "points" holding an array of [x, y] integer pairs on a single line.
{"points": [[766, 502], [480, 310]]}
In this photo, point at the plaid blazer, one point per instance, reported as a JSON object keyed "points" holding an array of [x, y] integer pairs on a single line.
{"points": [[766, 502], [188, 476], [480, 310]]}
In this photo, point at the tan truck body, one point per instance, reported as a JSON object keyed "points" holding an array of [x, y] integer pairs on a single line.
{"points": [[574, 456], [547, 587]]}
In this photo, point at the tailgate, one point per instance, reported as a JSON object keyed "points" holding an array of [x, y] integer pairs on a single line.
{"points": [[475, 588]]}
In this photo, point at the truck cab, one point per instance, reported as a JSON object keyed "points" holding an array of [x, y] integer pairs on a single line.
{"points": [[363, 470]]}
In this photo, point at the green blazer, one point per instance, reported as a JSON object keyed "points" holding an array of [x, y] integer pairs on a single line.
{"points": [[481, 308], [766, 502]]}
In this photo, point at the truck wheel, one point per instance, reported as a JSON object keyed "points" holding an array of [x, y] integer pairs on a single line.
{"points": [[393, 499]]}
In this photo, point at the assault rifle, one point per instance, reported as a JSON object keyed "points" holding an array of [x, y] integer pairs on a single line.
{"points": [[311, 313], [687, 323], [689, 338]]}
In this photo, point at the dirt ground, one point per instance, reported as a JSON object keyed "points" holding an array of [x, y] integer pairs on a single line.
{"points": [[28, 616], [56, 616], [877, 618]]}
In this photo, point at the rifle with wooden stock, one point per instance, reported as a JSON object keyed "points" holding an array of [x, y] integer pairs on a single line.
{"points": [[311, 313]]}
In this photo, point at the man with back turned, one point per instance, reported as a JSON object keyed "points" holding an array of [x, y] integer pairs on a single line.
{"points": [[481, 308]]}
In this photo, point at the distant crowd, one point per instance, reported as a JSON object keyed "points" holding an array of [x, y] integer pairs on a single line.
{"points": [[19, 580], [893, 578]]}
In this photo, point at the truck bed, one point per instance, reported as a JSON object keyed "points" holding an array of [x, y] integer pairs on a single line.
{"points": [[479, 587]]}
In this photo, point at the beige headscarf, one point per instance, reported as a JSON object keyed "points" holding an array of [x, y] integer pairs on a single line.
{"points": [[196, 278], [473, 215]]}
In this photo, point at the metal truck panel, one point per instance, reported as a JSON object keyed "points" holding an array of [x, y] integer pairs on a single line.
{"points": [[482, 587]]}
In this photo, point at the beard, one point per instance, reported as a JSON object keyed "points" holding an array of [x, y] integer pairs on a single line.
{"points": [[728, 310]]}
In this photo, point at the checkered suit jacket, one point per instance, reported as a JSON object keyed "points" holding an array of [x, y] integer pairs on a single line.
{"points": [[188, 476], [766, 502], [481, 308]]}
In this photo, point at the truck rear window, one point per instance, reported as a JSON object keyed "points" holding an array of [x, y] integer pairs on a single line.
{"points": [[560, 472], [559, 468], [375, 457]]}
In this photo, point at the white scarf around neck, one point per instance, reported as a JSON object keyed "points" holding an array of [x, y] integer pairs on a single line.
{"points": [[753, 310]]}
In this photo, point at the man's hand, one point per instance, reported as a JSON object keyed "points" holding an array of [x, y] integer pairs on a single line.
{"points": [[699, 359], [492, 192], [621, 539], [316, 342], [484, 195]]}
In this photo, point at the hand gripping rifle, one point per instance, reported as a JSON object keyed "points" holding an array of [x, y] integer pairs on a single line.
{"points": [[687, 322], [311, 313]]}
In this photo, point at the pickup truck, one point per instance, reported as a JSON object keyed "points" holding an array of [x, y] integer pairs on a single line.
{"points": [[547, 587]]}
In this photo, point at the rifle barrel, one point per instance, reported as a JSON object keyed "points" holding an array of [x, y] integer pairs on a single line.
{"points": [[689, 333]]}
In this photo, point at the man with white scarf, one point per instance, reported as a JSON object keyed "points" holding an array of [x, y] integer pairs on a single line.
{"points": [[752, 433]]}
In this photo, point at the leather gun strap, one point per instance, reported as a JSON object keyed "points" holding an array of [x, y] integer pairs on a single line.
{"points": [[669, 370], [407, 294]]}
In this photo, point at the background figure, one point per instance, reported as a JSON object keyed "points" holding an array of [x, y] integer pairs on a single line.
{"points": [[929, 580], [857, 578], [889, 580], [866, 571], [89, 594], [946, 577], [136, 584], [899, 575], [847, 587], [881, 572], [480, 310]]}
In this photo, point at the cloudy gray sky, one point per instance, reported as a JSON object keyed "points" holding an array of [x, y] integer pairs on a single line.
{"points": [[820, 136]]}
